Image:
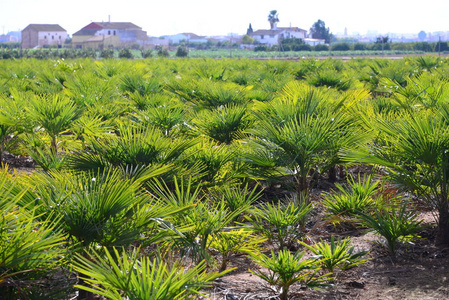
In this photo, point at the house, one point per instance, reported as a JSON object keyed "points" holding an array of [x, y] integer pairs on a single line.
{"points": [[155, 42], [43, 35], [314, 42], [100, 35], [4, 38], [11, 37], [186, 37], [276, 34]]}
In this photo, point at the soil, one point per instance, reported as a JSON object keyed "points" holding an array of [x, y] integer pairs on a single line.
{"points": [[420, 270]]}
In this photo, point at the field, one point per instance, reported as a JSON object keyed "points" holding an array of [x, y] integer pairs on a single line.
{"points": [[190, 178]]}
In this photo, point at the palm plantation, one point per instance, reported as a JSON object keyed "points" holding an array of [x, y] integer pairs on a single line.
{"points": [[154, 177]]}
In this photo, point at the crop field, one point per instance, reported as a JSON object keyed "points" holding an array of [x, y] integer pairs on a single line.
{"points": [[200, 178]]}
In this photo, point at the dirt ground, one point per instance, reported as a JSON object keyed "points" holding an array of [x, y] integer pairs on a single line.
{"points": [[419, 271]]}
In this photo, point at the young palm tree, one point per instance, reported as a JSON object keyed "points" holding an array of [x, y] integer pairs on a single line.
{"points": [[131, 147], [30, 248], [87, 89], [282, 224], [101, 208], [120, 274], [303, 130], [414, 149], [302, 144], [285, 269], [54, 114], [224, 124], [12, 123], [211, 164], [423, 91]]}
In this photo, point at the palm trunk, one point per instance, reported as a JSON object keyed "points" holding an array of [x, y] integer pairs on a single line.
{"points": [[82, 294], [54, 145], [442, 237], [224, 263], [332, 174], [284, 294], [301, 185]]}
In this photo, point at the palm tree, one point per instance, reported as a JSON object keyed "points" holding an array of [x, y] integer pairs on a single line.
{"points": [[55, 115], [132, 147], [224, 124], [103, 209], [303, 130], [120, 274], [273, 18], [12, 121], [414, 149], [29, 246]]}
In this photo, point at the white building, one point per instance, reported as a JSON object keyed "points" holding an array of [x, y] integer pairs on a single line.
{"points": [[185, 37], [314, 42], [274, 36], [43, 35]]}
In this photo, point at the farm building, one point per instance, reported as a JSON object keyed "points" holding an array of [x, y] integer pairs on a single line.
{"points": [[100, 35], [276, 34], [314, 42], [186, 37], [43, 35]]}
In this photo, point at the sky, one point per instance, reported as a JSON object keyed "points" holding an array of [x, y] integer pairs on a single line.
{"points": [[210, 17]]}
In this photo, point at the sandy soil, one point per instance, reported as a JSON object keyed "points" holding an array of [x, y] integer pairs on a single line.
{"points": [[419, 271]]}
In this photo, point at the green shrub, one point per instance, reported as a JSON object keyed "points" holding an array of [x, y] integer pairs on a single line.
{"points": [[260, 48], [107, 53], [125, 53], [182, 52], [402, 46], [341, 47], [360, 47], [303, 47], [321, 47], [381, 46], [161, 52], [146, 53]]}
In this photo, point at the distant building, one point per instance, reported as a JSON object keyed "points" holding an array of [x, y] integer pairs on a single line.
{"points": [[11, 37], [314, 42], [276, 34], [100, 35], [186, 37], [16, 35], [43, 35], [4, 38], [154, 42]]}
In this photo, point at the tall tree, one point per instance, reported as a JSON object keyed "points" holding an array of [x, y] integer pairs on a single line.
{"points": [[249, 30], [382, 39], [319, 31], [273, 18], [422, 35]]}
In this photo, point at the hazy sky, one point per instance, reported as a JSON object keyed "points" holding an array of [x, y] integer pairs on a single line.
{"points": [[209, 17]]}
